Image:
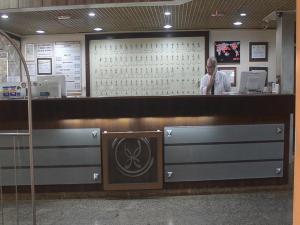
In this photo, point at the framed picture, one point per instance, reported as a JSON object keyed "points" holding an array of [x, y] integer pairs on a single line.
{"points": [[258, 51], [256, 68], [44, 66], [227, 51], [231, 73]]}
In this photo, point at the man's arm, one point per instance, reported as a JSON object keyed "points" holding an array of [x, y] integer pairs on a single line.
{"points": [[210, 84], [203, 85]]}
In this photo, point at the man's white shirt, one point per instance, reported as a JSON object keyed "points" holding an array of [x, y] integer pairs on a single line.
{"points": [[222, 83]]}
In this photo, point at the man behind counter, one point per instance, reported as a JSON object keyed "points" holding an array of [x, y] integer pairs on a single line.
{"points": [[214, 82]]}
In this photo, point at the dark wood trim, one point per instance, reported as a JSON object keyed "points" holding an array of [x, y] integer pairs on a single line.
{"points": [[148, 35], [135, 107], [87, 66], [90, 37], [95, 190]]}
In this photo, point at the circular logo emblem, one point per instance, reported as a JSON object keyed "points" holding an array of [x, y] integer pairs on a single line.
{"points": [[132, 156]]}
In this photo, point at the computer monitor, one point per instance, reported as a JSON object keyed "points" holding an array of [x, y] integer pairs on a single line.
{"points": [[252, 82], [52, 80]]}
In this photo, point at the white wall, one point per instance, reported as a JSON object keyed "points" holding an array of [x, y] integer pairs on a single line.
{"points": [[246, 36], [37, 39]]}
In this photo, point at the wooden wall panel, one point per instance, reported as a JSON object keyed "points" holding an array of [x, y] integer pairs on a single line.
{"points": [[296, 208]]}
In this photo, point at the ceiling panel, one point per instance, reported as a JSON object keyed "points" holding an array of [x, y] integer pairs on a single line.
{"points": [[194, 15]]}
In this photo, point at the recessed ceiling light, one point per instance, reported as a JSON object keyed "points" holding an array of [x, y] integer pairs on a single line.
{"points": [[237, 23], [243, 14], [64, 17], [92, 14], [167, 13], [4, 16], [40, 31], [167, 26], [98, 29]]}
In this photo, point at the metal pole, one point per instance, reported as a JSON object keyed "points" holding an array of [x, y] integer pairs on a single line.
{"points": [[29, 106]]}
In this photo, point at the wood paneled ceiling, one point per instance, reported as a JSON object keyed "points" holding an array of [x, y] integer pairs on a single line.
{"points": [[192, 15]]}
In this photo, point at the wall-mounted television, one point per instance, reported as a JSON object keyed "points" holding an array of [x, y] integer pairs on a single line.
{"points": [[227, 51]]}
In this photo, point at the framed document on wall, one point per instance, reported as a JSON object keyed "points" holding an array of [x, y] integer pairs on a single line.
{"points": [[258, 51], [132, 160], [44, 66]]}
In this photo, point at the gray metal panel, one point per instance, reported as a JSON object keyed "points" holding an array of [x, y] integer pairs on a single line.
{"points": [[223, 152], [291, 139], [57, 137], [222, 171], [49, 176], [52, 157], [224, 133], [8, 141]]}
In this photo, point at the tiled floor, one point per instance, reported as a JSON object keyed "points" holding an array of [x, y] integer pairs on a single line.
{"points": [[257, 208]]}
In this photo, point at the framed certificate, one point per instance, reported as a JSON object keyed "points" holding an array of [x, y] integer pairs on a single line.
{"points": [[44, 66], [258, 51]]}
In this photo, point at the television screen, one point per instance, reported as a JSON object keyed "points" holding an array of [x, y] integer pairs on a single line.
{"points": [[227, 51]]}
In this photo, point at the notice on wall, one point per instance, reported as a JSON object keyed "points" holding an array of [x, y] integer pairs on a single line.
{"points": [[68, 63], [29, 52], [44, 50], [31, 68], [3, 66]]}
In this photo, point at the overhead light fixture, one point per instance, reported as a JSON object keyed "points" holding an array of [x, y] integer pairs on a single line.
{"points": [[64, 17], [98, 29], [92, 14], [167, 13], [40, 31], [237, 23], [4, 16], [167, 26], [243, 14]]}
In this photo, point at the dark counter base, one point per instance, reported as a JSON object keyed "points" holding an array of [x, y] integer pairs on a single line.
{"points": [[192, 188], [134, 107]]}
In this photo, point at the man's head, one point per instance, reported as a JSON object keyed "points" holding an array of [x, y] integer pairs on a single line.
{"points": [[211, 65]]}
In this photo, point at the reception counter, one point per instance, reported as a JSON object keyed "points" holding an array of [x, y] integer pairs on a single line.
{"points": [[206, 140]]}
